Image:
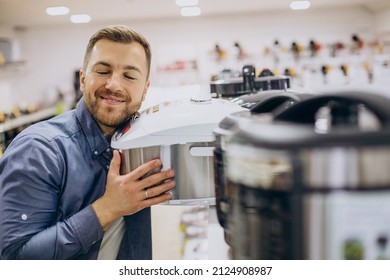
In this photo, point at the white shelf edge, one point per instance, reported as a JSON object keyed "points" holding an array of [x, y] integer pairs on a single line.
{"points": [[26, 119]]}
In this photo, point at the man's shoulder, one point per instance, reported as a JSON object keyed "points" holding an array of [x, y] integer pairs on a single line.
{"points": [[64, 125]]}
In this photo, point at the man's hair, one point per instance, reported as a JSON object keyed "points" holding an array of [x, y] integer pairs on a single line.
{"points": [[121, 34]]}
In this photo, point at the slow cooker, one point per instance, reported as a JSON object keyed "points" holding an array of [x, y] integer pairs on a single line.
{"points": [[264, 104], [249, 83], [313, 182], [180, 133]]}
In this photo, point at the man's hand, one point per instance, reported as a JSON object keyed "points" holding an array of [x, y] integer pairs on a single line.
{"points": [[130, 193]]}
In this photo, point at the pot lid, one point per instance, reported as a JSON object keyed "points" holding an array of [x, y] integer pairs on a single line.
{"points": [[350, 119], [229, 124], [174, 122], [231, 120], [264, 105], [267, 100]]}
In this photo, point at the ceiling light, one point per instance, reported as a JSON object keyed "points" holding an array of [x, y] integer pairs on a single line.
{"points": [[83, 18], [57, 11], [300, 5], [186, 3], [190, 11]]}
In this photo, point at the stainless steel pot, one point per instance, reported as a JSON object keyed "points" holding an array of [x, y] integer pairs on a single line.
{"points": [[301, 190], [193, 165]]}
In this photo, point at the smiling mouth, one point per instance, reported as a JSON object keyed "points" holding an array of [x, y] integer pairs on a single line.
{"points": [[112, 100]]}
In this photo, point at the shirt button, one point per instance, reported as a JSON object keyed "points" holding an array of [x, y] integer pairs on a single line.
{"points": [[96, 153], [108, 150], [23, 217], [108, 167]]}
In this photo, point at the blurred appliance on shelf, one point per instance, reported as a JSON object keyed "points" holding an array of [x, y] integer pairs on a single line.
{"points": [[262, 106], [248, 83], [5, 50], [312, 182]]}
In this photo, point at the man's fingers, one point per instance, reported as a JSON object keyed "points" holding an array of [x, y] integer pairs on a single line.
{"points": [[159, 189], [115, 164], [143, 170]]}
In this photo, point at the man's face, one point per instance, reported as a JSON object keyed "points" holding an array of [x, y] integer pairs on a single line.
{"points": [[115, 82]]}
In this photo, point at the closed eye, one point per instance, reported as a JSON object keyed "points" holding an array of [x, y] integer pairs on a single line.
{"points": [[129, 77], [102, 72]]}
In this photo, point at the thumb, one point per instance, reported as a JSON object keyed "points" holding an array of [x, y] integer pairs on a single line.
{"points": [[115, 164]]}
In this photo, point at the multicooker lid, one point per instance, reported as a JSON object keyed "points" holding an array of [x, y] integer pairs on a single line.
{"points": [[174, 122], [346, 119], [263, 105], [330, 141], [267, 100]]}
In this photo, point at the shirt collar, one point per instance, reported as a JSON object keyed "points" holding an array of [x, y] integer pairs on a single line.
{"points": [[95, 138]]}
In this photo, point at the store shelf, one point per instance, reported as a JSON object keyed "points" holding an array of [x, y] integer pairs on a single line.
{"points": [[28, 119], [12, 63], [12, 67]]}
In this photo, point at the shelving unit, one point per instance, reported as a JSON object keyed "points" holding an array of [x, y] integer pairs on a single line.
{"points": [[12, 67], [28, 119], [23, 121]]}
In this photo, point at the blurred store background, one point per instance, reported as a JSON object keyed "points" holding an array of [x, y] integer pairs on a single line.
{"points": [[321, 46]]}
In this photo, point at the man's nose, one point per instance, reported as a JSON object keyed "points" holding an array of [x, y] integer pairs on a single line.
{"points": [[114, 82]]}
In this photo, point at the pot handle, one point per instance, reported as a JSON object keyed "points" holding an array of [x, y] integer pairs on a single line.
{"points": [[304, 111], [270, 104], [201, 151], [273, 102]]}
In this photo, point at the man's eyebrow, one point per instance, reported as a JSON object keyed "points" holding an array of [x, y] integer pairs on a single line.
{"points": [[127, 67], [132, 68], [102, 63]]}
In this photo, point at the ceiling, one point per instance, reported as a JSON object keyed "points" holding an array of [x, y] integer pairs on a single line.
{"points": [[28, 13]]}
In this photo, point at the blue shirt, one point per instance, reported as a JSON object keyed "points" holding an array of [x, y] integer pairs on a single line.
{"points": [[49, 176]]}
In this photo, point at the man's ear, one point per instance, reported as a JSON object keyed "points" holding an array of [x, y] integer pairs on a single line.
{"points": [[82, 80], [145, 90]]}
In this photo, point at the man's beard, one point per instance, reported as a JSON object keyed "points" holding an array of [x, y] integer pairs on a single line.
{"points": [[107, 118], [110, 117]]}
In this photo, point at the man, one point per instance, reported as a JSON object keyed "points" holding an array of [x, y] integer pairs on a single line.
{"points": [[61, 194]]}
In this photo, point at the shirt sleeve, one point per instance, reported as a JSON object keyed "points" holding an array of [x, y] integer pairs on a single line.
{"points": [[31, 183]]}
